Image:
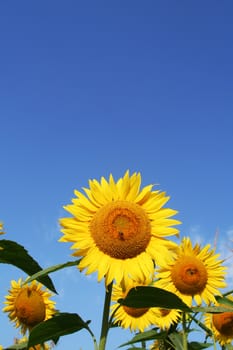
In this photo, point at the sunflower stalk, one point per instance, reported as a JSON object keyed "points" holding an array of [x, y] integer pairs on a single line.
{"points": [[185, 346], [144, 345], [105, 319]]}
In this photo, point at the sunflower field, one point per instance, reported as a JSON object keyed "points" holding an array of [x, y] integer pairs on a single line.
{"points": [[159, 285]]}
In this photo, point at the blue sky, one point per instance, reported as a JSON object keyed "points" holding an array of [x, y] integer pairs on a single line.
{"points": [[93, 88]]}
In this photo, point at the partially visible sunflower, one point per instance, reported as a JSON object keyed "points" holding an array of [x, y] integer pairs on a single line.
{"points": [[194, 273], [161, 345], [166, 318], [35, 347], [130, 317], [1, 229], [118, 228], [221, 324], [27, 305]]}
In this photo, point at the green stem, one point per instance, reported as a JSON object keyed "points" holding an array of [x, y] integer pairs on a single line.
{"points": [[185, 347], [93, 338], [143, 345], [105, 319]]}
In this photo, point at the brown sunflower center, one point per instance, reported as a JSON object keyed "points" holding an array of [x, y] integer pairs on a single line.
{"points": [[189, 275], [164, 312], [29, 307], [224, 323], [135, 311], [121, 229]]}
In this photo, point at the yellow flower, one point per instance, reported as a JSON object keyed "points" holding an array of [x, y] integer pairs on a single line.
{"points": [[221, 324], [160, 345], [1, 229], [193, 273], [155, 345], [27, 305], [166, 318], [130, 317], [35, 347], [118, 229]]}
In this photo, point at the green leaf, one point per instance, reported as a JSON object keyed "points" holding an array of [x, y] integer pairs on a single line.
{"points": [[50, 269], [145, 336], [212, 309], [16, 255], [224, 300], [57, 326], [145, 297], [177, 340]]}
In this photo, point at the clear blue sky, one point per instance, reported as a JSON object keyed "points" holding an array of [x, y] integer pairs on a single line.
{"points": [[93, 87]]}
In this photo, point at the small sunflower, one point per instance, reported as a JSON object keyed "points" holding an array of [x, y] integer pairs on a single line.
{"points": [[194, 273], [166, 318], [160, 345], [156, 345], [35, 347], [119, 229], [27, 305], [1, 229], [130, 317], [221, 324]]}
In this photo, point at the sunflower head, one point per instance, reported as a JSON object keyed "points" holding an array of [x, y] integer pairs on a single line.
{"points": [[221, 325], [130, 317], [117, 227], [28, 304], [35, 347], [193, 273], [166, 318], [160, 345]]}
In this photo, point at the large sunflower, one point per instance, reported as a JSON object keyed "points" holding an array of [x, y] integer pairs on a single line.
{"points": [[221, 324], [119, 229], [193, 273], [130, 317], [28, 304]]}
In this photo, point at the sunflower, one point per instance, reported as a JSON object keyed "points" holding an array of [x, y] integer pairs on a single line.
{"points": [[35, 347], [166, 318], [28, 304], [130, 317], [1, 229], [119, 229], [194, 273], [221, 325], [160, 345]]}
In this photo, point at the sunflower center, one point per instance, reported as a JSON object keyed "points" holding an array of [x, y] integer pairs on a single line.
{"points": [[121, 229], [135, 311], [29, 307], [164, 312], [224, 323], [189, 275]]}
